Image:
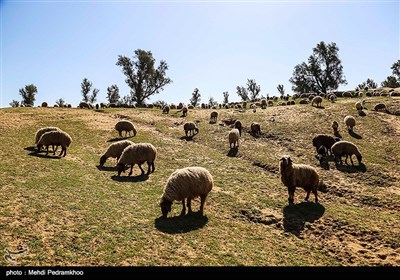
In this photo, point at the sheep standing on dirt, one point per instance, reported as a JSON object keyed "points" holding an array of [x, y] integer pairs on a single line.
{"points": [[186, 183], [42, 131], [184, 111], [234, 138], [298, 175], [255, 128], [126, 126], [350, 122], [239, 126], [55, 138], [317, 100], [214, 116], [137, 154], [346, 148], [189, 128], [323, 140], [115, 150]]}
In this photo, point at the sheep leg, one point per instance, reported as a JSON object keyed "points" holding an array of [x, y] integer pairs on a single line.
{"points": [[202, 201], [65, 151], [237, 142], [307, 196], [315, 192], [346, 159], [183, 208], [352, 163], [141, 169], [62, 151], [120, 133], [186, 132], [153, 167], [47, 150], [291, 194], [189, 205], [130, 173], [54, 151], [148, 167]]}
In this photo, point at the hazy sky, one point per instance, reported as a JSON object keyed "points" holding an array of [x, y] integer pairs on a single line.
{"points": [[212, 46]]}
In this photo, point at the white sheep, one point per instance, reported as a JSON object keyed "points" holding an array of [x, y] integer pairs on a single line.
{"points": [[115, 150], [234, 138], [55, 138], [350, 122], [126, 126], [186, 183], [346, 148], [42, 131], [137, 154]]}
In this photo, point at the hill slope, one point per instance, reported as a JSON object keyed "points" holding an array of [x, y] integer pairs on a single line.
{"points": [[69, 212]]}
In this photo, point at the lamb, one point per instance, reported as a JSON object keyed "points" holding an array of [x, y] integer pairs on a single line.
{"points": [[318, 100], [55, 138], [298, 175], [323, 140], [115, 150], [42, 131], [126, 126], [184, 111], [255, 128], [350, 122], [186, 183], [234, 138], [335, 127], [137, 154], [214, 116], [239, 126], [189, 128], [346, 148]]}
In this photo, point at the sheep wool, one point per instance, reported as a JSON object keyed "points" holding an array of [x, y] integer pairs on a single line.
{"points": [[350, 122], [55, 138], [189, 128], [346, 148], [126, 126], [137, 154], [115, 150], [234, 138], [186, 183]]}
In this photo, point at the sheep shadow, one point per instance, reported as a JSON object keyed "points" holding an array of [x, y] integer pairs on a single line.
{"points": [[106, 168], [355, 135], [31, 149], [212, 122], [119, 139], [325, 164], [295, 216], [351, 168], [319, 107], [233, 152], [361, 113], [133, 179], [181, 224], [35, 153], [187, 138], [337, 134]]}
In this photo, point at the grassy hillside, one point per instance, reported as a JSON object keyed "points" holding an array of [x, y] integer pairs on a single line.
{"points": [[69, 212]]}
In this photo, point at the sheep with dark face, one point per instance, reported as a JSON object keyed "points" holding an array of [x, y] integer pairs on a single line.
{"points": [[239, 126], [126, 126], [255, 128], [115, 150], [346, 148], [186, 183], [298, 175], [335, 126], [55, 138], [323, 140], [137, 154], [190, 128]]}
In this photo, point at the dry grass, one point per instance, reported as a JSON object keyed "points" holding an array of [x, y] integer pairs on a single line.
{"points": [[71, 213]]}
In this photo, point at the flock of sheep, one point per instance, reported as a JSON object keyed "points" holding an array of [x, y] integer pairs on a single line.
{"points": [[191, 182]]}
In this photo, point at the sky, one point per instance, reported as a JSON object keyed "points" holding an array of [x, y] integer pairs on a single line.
{"points": [[212, 46]]}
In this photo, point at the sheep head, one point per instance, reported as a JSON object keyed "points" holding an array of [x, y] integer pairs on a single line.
{"points": [[285, 162], [165, 205], [120, 168]]}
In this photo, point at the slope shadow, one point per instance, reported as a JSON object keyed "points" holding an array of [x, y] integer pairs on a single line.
{"points": [[119, 138], [355, 135], [181, 224], [232, 152], [295, 216], [350, 168], [106, 168], [134, 179]]}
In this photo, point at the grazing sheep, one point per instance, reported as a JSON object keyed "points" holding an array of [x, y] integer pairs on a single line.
{"points": [[255, 128], [350, 122], [44, 104], [346, 148], [189, 128], [55, 138], [360, 105], [323, 140], [317, 100], [234, 138], [239, 126], [184, 111], [270, 103], [115, 150], [137, 154], [380, 107], [191, 107], [263, 103], [322, 152], [83, 105], [165, 109], [304, 101], [298, 175], [42, 131], [126, 126], [186, 183], [335, 126], [214, 116]]}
